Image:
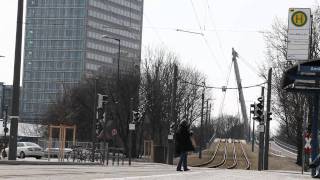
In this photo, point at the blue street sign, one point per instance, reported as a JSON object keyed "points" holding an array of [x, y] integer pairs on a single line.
{"points": [[310, 69]]}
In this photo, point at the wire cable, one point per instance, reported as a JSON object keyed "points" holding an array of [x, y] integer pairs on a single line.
{"points": [[215, 87]]}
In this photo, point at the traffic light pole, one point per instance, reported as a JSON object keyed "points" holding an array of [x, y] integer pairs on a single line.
{"points": [[253, 135], [105, 131], [267, 135], [261, 140]]}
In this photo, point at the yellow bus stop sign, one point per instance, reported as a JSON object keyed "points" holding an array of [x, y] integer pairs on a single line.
{"points": [[299, 18]]}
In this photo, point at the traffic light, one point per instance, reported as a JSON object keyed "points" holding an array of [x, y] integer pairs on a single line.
{"points": [[136, 116], [100, 114], [259, 110], [269, 116], [253, 108], [172, 128], [102, 99], [99, 128]]}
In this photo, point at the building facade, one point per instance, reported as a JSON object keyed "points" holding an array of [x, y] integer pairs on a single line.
{"points": [[5, 98], [67, 39]]}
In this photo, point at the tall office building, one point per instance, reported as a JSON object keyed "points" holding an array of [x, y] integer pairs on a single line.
{"points": [[5, 98], [64, 42]]}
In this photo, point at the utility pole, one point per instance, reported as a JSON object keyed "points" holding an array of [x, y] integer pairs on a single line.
{"points": [[201, 125], [241, 97], [173, 116], [206, 123], [267, 133], [16, 86], [261, 139]]}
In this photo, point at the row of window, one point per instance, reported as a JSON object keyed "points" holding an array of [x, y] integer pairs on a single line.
{"points": [[115, 20], [92, 67], [121, 31], [51, 76], [99, 57], [128, 3], [55, 44], [36, 107], [102, 48], [41, 55], [56, 3], [53, 66], [56, 12], [58, 86], [54, 33], [123, 43], [119, 11], [44, 22]]}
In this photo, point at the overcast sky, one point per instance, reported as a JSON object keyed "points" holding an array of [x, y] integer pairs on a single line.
{"points": [[224, 23]]}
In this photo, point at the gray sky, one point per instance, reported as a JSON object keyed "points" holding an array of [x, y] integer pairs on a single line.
{"points": [[224, 23]]}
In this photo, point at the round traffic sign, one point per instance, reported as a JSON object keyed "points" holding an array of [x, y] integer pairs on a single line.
{"points": [[114, 132], [299, 18]]}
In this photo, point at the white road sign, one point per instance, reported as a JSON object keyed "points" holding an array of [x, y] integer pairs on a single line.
{"points": [[260, 128], [299, 29]]}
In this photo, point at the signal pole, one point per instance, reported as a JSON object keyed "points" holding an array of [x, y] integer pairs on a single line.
{"points": [[201, 125], [261, 139], [266, 153]]}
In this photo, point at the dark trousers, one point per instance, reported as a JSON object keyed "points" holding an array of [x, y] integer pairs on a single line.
{"points": [[183, 161]]}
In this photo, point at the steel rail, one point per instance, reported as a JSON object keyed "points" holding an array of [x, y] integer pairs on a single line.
{"points": [[246, 157], [212, 158], [224, 157], [235, 160]]}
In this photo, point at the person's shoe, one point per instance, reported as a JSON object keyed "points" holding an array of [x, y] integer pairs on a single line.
{"points": [[187, 169], [179, 170]]}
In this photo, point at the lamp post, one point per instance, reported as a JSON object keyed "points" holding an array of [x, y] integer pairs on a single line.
{"points": [[119, 43]]}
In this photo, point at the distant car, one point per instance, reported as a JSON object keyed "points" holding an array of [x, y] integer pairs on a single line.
{"points": [[54, 152], [28, 149]]}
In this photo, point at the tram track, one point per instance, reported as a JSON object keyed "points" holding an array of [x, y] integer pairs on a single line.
{"points": [[228, 155]]}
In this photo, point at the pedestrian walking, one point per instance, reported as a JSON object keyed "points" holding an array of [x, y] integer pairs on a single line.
{"points": [[183, 145]]}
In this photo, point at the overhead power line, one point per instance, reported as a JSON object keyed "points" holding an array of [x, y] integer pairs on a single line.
{"points": [[215, 87]]}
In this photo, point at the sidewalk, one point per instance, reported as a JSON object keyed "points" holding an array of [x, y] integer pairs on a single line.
{"points": [[137, 171]]}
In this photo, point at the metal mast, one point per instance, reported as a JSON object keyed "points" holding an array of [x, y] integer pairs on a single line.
{"points": [[241, 98]]}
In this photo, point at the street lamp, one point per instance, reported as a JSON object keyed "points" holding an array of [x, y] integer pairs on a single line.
{"points": [[116, 39]]}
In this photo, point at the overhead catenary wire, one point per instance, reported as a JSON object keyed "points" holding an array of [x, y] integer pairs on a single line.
{"points": [[204, 38], [215, 87]]}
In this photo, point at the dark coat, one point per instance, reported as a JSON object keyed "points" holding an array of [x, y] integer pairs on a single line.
{"points": [[183, 141]]}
